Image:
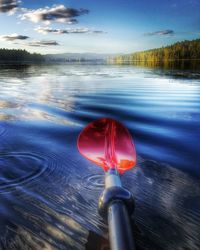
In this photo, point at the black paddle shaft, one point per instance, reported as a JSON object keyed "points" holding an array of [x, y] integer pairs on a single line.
{"points": [[120, 230]]}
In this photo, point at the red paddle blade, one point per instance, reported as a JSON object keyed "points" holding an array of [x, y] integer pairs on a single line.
{"points": [[109, 144]]}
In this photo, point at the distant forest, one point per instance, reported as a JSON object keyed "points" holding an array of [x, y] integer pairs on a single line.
{"points": [[186, 50], [19, 56]]}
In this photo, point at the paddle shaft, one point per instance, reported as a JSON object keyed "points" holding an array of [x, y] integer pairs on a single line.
{"points": [[120, 231]]}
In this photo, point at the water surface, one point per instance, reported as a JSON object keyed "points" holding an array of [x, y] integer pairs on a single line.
{"points": [[48, 192]]}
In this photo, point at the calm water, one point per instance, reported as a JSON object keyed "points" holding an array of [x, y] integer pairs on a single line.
{"points": [[49, 193]]}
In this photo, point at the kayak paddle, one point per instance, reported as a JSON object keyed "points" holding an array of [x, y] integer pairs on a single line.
{"points": [[109, 144]]}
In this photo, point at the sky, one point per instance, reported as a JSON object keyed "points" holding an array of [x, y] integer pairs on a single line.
{"points": [[104, 26]]}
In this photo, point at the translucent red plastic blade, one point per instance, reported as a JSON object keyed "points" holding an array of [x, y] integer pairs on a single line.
{"points": [[109, 144]]}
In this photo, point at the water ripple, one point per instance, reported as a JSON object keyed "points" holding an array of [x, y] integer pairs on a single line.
{"points": [[49, 193], [93, 182], [24, 167], [18, 168], [2, 130]]}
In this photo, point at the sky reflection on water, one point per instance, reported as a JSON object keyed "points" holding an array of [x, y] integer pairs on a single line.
{"points": [[48, 192]]}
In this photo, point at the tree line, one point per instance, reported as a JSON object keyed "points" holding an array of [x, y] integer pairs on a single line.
{"points": [[185, 50], [19, 56]]}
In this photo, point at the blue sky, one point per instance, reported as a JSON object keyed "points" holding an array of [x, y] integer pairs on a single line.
{"points": [[106, 26]]}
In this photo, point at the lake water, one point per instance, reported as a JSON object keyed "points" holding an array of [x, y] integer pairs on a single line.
{"points": [[49, 192]]}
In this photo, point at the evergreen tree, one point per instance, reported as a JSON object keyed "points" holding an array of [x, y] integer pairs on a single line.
{"points": [[186, 50], [19, 56]]}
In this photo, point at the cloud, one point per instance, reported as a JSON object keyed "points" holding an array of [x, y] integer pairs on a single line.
{"points": [[8, 6], [160, 33], [56, 13], [43, 43], [46, 30], [14, 37]]}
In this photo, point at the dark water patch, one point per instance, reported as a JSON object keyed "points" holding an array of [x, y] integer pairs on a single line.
{"points": [[101, 243], [161, 195]]}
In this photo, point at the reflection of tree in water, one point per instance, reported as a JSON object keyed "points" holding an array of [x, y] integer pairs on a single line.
{"points": [[167, 206], [176, 65], [175, 68]]}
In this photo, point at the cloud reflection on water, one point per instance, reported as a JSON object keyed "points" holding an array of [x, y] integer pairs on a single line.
{"points": [[42, 111]]}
